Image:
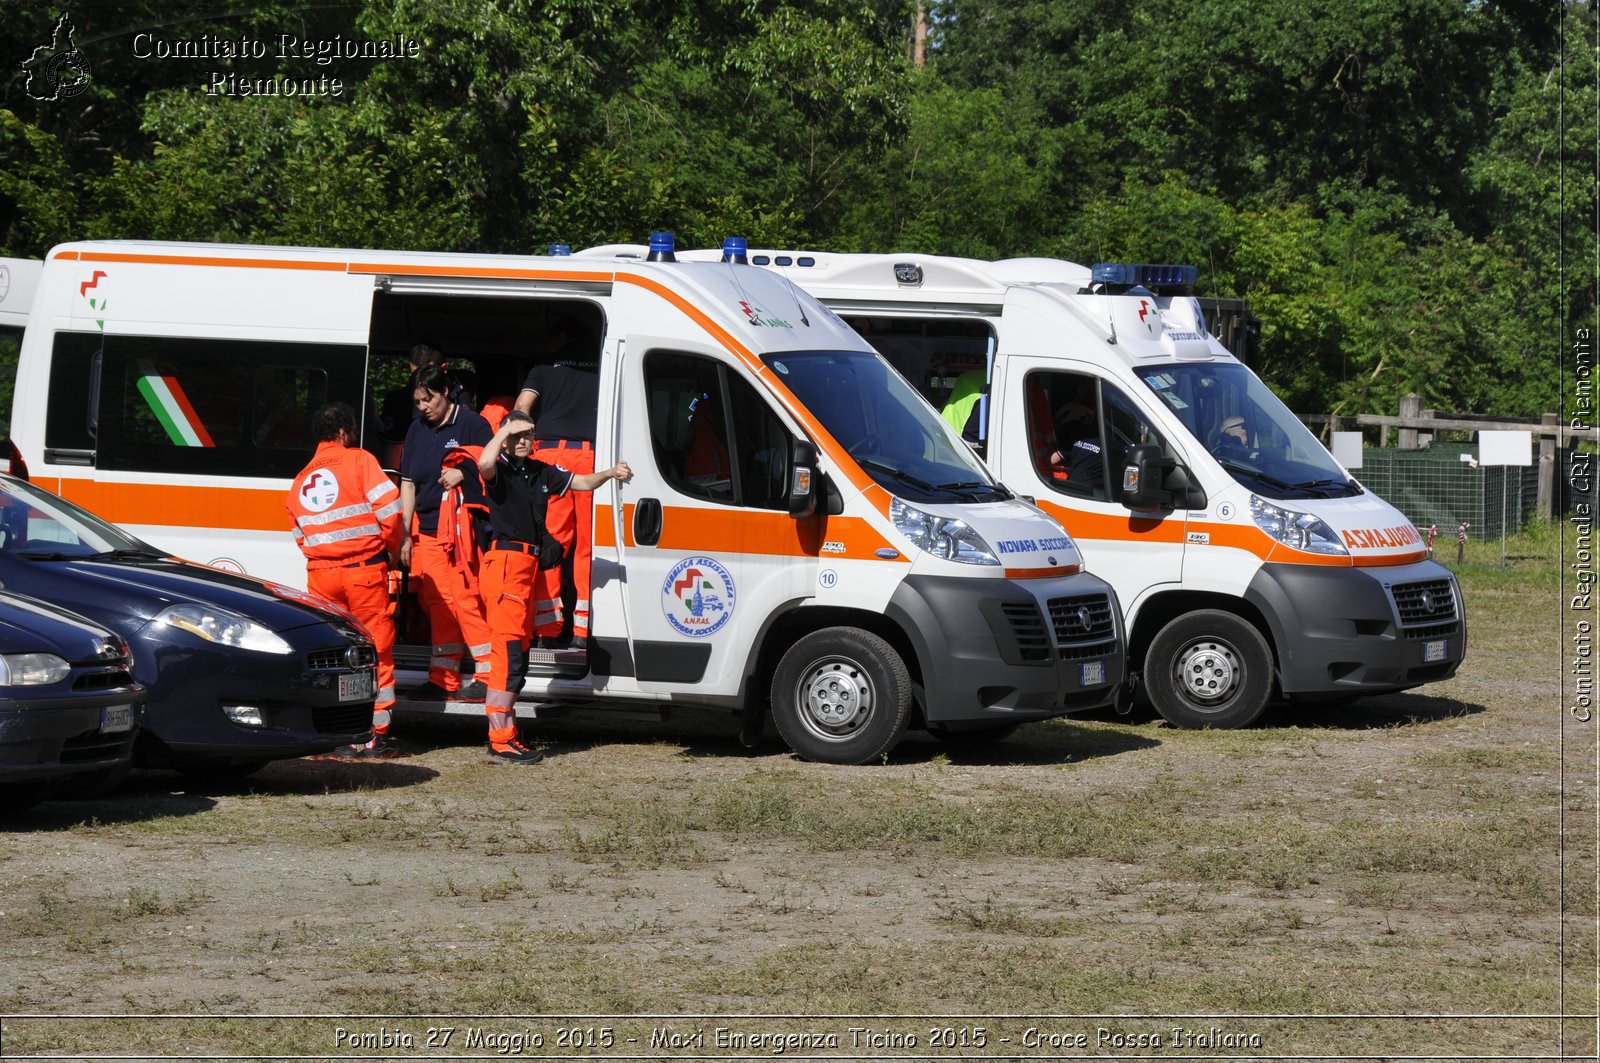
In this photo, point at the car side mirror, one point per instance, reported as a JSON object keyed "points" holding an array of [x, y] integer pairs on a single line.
{"points": [[803, 479], [1144, 478]]}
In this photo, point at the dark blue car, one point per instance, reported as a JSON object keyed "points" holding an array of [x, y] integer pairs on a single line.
{"points": [[240, 672], [69, 705]]}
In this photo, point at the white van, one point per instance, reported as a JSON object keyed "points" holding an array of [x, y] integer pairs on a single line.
{"points": [[849, 558], [1249, 562]]}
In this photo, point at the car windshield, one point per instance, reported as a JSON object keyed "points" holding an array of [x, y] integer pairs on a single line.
{"points": [[1250, 432], [889, 429], [37, 524]]}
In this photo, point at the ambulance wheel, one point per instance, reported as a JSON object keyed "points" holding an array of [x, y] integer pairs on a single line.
{"points": [[841, 696], [1209, 669]]}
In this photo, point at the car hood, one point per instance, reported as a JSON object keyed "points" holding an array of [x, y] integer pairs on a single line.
{"points": [[143, 586], [28, 625]]}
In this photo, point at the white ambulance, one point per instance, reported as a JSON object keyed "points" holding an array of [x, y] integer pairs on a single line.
{"points": [[1251, 564], [841, 553]]}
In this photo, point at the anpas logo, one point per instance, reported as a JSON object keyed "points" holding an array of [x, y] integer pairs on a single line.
{"points": [[697, 597], [760, 318], [319, 491], [1150, 314]]}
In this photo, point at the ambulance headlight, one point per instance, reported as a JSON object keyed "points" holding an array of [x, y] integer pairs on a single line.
{"points": [[952, 540], [1293, 528], [222, 627]]}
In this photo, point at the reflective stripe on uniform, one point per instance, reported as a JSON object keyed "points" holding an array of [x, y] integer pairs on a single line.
{"points": [[340, 536], [310, 520], [382, 717]]}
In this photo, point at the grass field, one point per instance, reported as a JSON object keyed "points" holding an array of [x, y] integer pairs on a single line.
{"points": [[1412, 875]]}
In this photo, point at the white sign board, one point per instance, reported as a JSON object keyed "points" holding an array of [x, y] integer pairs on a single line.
{"points": [[1505, 448], [1347, 449]]}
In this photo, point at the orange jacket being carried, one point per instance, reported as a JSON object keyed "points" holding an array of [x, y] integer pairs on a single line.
{"points": [[456, 524], [343, 508]]}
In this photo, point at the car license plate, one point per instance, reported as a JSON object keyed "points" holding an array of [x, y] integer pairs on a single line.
{"points": [[1092, 674], [358, 686], [114, 718], [1438, 650]]}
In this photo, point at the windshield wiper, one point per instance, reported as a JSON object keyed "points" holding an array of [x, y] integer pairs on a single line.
{"points": [[49, 555], [903, 477], [1344, 486], [974, 486], [136, 552], [1271, 481]]}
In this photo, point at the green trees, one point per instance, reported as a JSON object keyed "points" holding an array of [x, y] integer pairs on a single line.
{"points": [[1394, 184]]}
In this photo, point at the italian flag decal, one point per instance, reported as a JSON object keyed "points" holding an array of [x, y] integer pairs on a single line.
{"points": [[172, 408]]}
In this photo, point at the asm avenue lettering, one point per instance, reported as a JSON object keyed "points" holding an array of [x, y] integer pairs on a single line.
{"points": [[1379, 538], [1032, 546]]}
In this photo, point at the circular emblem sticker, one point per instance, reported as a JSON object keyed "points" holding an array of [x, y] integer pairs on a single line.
{"points": [[319, 491], [697, 597], [1225, 511]]}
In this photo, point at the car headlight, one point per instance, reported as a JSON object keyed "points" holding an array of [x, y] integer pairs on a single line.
{"points": [[32, 669], [952, 540], [223, 627], [1291, 527]]}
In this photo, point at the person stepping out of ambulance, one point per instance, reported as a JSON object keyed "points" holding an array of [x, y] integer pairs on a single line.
{"points": [[440, 463], [519, 489], [346, 518]]}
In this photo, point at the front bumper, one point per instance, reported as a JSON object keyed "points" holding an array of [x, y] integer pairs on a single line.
{"points": [[1362, 630], [997, 650], [297, 696], [55, 737]]}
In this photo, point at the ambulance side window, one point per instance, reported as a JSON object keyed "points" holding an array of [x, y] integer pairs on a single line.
{"points": [[68, 418], [218, 407], [1077, 427], [712, 435]]}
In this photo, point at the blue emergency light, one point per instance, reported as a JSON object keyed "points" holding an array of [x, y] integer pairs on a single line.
{"points": [[736, 249], [558, 250], [1143, 275], [662, 247]]}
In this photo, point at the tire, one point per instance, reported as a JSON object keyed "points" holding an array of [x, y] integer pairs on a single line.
{"points": [[1209, 669], [841, 696]]}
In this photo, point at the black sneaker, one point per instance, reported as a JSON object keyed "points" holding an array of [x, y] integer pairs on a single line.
{"points": [[382, 747], [580, 642], [473, 691], [515, 753]]}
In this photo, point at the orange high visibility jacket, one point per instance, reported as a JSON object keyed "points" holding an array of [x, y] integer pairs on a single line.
{"points": [[456, 514], [343, 508]]}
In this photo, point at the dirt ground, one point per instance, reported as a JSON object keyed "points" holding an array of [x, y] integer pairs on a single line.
{"points": [[1382, 879]]}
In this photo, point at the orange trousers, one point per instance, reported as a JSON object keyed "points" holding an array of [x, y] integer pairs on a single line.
{"points": [[454, 612], [364, 591], [570, 518], [507, 580]]}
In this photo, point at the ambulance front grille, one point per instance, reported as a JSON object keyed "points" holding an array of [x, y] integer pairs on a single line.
{"points": [[1084, 618], [1427, 608]]}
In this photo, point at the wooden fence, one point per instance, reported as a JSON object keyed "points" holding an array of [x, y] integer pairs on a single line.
{"points": [[1417, 427]]}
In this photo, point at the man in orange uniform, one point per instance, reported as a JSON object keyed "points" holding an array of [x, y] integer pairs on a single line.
{"points": [[519, 490], [346, 518]]}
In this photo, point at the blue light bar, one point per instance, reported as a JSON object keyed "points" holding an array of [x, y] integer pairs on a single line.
{"points": [[1129, 274], [735, 249], [557, 250], [662, 248]]}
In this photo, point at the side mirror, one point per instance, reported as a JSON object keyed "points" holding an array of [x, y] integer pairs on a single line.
{"points": [[803, 478], [1144, 476]]}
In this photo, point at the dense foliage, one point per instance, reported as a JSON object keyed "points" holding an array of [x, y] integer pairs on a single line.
{"points": [[1403, 189]]}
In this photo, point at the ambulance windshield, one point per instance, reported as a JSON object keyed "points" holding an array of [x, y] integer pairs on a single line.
{"points": [[889, 429], [1249, 431]]}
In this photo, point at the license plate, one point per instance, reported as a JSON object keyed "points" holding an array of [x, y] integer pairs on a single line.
{"points": [[358, 686], [1092, 674], [114, 718], [1438, 650]]}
